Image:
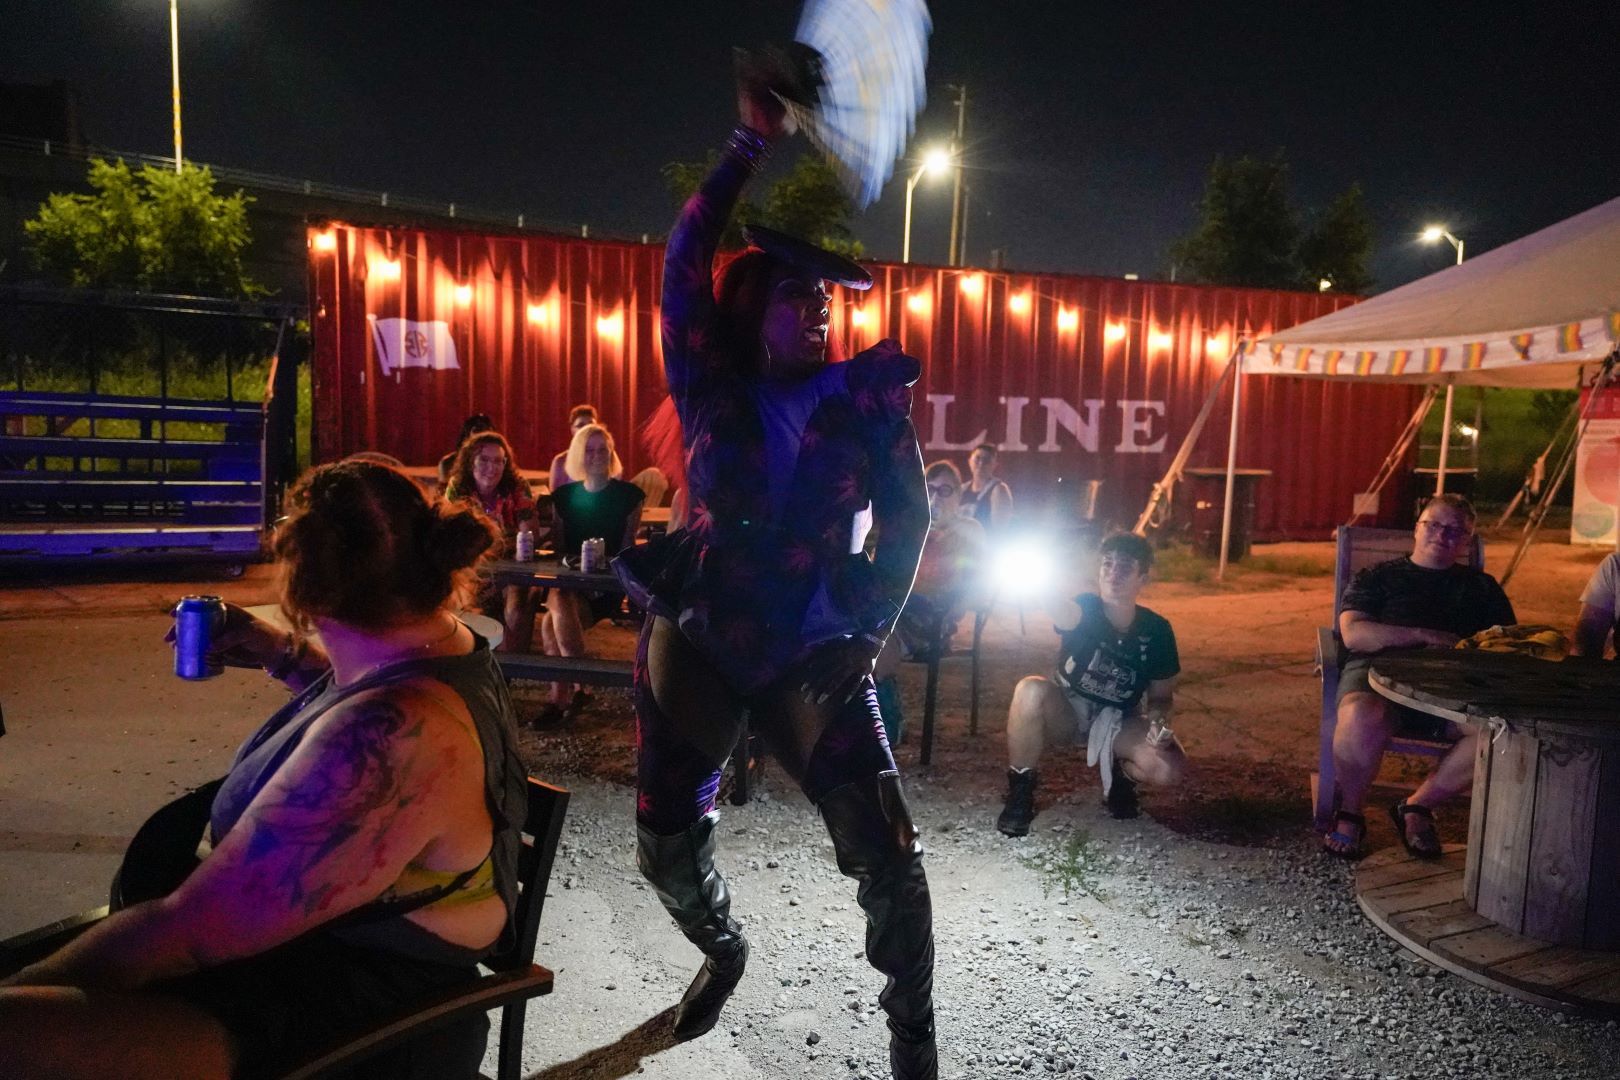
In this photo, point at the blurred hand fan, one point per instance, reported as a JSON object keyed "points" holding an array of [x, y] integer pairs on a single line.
{"points": [[853, 82]]}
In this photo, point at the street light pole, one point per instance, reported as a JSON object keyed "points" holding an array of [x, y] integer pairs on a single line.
{"points": [[936, 161], [1430, 235], [174, 65]]}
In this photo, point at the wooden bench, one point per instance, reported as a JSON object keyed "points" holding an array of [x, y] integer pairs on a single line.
{"points": [[586, 670]]}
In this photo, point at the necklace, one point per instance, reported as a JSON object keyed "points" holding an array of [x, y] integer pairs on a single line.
{"points": [[410, 653]]}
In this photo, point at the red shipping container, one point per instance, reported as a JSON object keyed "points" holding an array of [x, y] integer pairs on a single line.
{"points": [[1075, 378]]}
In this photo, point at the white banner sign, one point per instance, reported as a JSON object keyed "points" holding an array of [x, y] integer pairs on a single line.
{"points": [[406, 343]]}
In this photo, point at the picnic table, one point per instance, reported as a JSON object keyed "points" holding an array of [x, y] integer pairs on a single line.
{"points": [[1528, 906], [550, 572]]}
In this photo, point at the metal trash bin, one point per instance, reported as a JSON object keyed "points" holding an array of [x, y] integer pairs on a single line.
{"points": [[1207, 489]]}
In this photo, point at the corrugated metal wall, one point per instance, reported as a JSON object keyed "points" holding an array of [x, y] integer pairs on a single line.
{"points": [[1077, 378]]}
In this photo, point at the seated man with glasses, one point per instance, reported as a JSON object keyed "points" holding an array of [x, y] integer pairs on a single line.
{"points": [[1425, 600]]}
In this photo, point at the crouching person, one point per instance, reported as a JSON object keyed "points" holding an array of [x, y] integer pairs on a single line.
{"points": [[1112, 690]]}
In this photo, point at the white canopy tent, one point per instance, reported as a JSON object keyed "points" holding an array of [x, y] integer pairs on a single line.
{"points": [[1541, 312]]}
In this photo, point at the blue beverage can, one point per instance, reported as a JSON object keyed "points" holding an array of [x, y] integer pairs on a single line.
{"points": [[198, 621]]}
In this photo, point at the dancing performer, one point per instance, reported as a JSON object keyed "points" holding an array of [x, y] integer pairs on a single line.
{"points": [[763, 609]]}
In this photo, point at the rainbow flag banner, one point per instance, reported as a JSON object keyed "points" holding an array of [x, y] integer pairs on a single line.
{"points": [[1474, 355], [1614, 326], [1365, 361], [1398, 361], [1569, 337], [1522, 343], [1331, 362], [1302, 360], [1434, 358]]}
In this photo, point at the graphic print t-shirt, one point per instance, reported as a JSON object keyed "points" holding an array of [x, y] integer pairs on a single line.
{"points": [[1114, 667]]}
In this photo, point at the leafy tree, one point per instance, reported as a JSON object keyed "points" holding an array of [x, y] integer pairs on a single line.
{"points": [[807, 202], [1337, 245], [1250, 234], [153, 230]]}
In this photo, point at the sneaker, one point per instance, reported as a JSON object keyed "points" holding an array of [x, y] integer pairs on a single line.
{"points": [[1121, 801], [1019, 812]]}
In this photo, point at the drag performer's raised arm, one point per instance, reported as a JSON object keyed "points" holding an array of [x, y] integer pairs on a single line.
{"points": [[688, 297]]}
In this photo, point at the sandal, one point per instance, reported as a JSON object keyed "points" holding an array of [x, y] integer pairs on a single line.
{"points": [[1427, 844], [1351, 845]]}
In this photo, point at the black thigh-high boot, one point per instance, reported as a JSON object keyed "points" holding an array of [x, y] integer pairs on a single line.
{"points": [[877, 845], [681, 870]]}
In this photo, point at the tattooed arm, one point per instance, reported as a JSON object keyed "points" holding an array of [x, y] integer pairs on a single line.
{"points": [[373, 785]]}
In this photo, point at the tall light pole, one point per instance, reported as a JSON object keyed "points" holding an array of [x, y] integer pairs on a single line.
{"points": [[174, 67], [934, 163], [1429, 236]]}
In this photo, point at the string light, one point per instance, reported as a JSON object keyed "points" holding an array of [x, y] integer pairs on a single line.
{"points": [[1216, 345], [539, 314], [1158, 339], [1068, 319], [971, 285], [1018, 303], [463, 295], [918, 303], [385, 269], [611, 326], [1114, 332], [857, 317], [325, 241]]}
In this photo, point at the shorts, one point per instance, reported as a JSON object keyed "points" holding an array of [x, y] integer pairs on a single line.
{"points": [[1085, 712], [298, 998], [1409, 723]]}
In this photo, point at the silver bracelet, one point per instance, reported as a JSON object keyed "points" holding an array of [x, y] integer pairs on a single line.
{"points": [[749, 146]]}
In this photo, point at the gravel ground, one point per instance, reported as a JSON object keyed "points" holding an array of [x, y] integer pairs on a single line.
{"points": [[1165, 957]]}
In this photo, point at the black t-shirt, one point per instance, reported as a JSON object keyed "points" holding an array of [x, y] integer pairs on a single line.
{"points": [[586, 514], [1113, 667], [1458, 600]]}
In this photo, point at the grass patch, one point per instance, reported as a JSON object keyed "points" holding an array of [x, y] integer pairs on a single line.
{"points": [[1179, 562], [1290, 565], [1075, 865]]}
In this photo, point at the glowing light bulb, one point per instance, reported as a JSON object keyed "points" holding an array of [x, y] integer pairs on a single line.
{"points": [[463, 295], [972, 285], [857, 317], [539, 314], [1159, 340], [1114, 332], [1216, 345], [610, 326], [1018, 303], [325, 241], [918, 303], [385, 269], [1068, 319]]}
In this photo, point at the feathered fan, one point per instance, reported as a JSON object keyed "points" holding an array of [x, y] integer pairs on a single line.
{"points": [[853, 82]]}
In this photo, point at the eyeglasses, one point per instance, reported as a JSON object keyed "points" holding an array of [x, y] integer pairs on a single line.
{"points": [[942, 491], [1448, 531]]}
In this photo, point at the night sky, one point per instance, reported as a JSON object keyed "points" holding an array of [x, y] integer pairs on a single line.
{"points": [[1090, 124]]}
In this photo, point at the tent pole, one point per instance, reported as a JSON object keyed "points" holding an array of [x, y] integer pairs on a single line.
{"points": [[1539, 511], [1231, 473], [1398, 452], [1445, 442], [1161, 490]]}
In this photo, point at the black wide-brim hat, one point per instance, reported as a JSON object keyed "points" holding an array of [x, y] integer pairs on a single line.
{"points": [[805, 256]]}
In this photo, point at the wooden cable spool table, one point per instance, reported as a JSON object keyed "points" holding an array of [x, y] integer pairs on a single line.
{"points": [[1530, 907]]}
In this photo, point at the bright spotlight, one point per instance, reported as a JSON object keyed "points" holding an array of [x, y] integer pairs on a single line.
{"points": [[1432, 234], [1024, 568], [936, 162]]}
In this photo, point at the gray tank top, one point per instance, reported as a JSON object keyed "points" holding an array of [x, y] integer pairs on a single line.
{"points": [[477, 680]]}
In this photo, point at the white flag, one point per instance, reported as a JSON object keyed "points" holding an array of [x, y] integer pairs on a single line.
{"points": [[403, 343]]}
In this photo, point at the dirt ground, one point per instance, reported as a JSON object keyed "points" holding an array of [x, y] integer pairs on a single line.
{"points": [[100, 733]]}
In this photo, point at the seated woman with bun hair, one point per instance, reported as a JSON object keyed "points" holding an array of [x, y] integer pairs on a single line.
{"points": [[365, 840]]}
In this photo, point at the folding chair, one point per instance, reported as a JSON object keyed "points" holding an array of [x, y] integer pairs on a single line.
{"points": [[1359, 548], [932, 658]]}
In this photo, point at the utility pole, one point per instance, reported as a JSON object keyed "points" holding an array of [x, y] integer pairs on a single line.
{"points": [[958, 196]]}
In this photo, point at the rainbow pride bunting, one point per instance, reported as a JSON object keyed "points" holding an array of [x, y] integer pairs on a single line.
{"points": [[1398, 361], [1331, 363], [1474, 355], [1522, 343], [1434, 358], [1569, 337], [1614, 326], [1365, 361], [1302, 360], [1276, 355]]}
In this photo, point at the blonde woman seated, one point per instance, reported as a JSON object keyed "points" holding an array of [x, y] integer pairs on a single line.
{"points": [[365, 840], [596, 505]]}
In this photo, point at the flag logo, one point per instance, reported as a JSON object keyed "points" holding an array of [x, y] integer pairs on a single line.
{"points": [[410, 343], [1569, 337]]}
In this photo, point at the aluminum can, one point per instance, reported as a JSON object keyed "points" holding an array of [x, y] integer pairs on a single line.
{"points": [[198, 621], [593, 555], [525, 544]]}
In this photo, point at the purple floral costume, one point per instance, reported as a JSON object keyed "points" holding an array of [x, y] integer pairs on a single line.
{"points": [[785, 478]]}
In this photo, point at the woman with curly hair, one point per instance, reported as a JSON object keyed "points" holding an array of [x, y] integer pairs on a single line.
{"points": [[486, 475]]}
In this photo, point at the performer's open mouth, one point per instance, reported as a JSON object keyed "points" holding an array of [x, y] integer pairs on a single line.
{"points": [[816, 336]]}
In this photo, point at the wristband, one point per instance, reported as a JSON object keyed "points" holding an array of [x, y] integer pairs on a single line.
{"points": [[750, 147]]}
